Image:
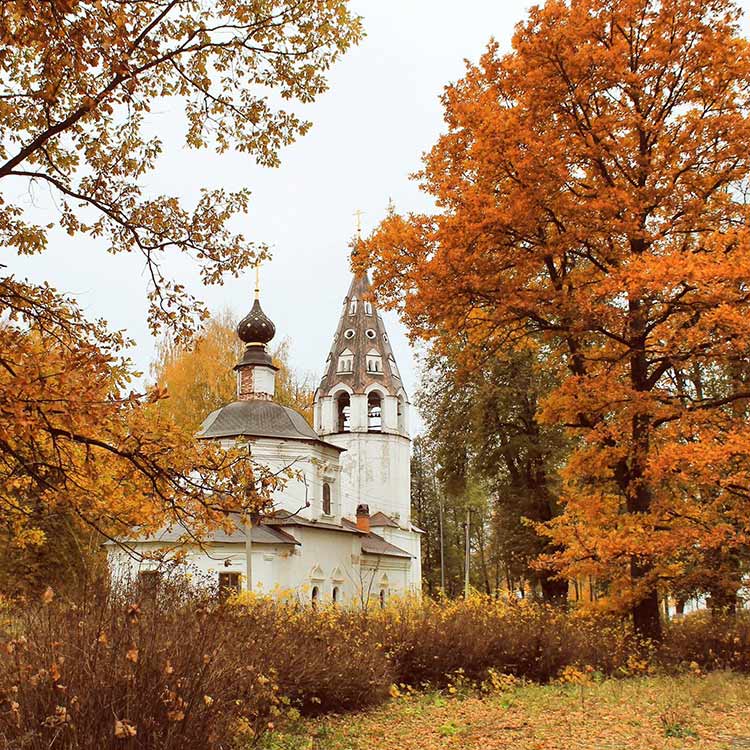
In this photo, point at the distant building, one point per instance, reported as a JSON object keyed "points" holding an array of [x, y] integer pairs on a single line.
{"points": [[343, 531]]}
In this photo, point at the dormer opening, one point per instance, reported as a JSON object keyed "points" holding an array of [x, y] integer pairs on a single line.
{"points": [[368, 308], [353, 306], [343, 412], [374, 361], [346, 361], [374, 412]]}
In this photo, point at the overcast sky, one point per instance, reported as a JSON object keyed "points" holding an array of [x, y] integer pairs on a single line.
{"points": [[381, 113]]}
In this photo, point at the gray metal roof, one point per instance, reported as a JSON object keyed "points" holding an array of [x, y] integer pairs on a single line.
{"points": [[257, 418], [380, 519], [261, 534], [374, 544], [284, 518]]}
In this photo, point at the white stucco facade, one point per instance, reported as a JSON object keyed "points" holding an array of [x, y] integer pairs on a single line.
{"points": [[317, 543]]}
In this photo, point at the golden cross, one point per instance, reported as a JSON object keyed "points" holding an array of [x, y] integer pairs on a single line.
{"points": [[358, 213], [257, 280]]}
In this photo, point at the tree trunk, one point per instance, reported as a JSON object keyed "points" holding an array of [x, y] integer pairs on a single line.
{"points": [[554, 591], [646, 618]]}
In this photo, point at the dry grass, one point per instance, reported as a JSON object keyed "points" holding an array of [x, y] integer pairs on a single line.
{"points": [[648, 713], [177, 669]]}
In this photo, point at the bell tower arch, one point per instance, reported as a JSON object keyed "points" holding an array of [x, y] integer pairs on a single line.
{"points": [[361, 406]]}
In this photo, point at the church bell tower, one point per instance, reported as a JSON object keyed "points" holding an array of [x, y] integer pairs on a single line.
{"points": [[361, 406]]}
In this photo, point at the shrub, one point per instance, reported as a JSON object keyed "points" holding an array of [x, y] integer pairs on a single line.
{"points": [[123, 669], [710, 642], [175, 668], [322, 661], [428, 641]]}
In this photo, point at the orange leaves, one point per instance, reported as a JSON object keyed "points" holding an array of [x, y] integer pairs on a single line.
{"points": [[81, 78], [124, 729], [589, 189], [76, 441]]}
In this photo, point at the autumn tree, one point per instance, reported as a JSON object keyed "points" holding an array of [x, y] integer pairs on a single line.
{"points": [[590, 193], [79, 80], [486, 430], [198, 376]]}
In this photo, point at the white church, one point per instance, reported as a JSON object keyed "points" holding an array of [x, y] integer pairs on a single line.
{"points": [[340, 531]]}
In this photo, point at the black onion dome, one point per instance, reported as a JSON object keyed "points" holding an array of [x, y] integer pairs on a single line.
{"points": [[255, 327]]}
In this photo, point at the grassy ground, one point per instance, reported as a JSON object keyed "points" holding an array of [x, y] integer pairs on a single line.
{"points": [[691, 711]]}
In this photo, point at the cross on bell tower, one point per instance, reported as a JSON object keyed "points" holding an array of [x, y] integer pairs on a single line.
{"points": [[361, 404]]}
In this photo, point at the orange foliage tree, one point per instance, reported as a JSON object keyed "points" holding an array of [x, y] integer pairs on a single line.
{"points": [[591, 204], [200, 377], [79, 79]]}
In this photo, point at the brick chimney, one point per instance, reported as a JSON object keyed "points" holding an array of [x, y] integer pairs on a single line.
{"points": [[363, 518]]}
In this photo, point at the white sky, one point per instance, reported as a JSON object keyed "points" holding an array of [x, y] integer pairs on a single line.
{"points": [[381, 113]]}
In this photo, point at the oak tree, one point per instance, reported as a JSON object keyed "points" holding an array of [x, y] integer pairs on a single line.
{"points": [[79, 78], [590, 193]]}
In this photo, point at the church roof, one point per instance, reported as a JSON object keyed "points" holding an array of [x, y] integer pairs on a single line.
{"points": [[361, 331], [374, 544], [380, 519], [285, 518], [258, 418], [256, 327], [260, 534]]}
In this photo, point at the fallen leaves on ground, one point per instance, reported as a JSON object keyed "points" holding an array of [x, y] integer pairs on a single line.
{"points": [[651, 713]]}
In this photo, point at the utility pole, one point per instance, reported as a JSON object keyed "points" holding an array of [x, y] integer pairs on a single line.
{"points": [[467, 533], [249, 550], [442, 544]]}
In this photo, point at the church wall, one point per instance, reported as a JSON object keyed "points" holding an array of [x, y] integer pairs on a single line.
{"points": [[387, 574], [410, 541], [205, 566], [375, 470], [325, 559], [317, 463]]}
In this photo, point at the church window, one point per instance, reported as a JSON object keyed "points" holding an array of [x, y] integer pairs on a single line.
{"points": [[382, 598], [370, 333], [346, 361], [335, 594], [374, 361], [326, 498], [374, 412], [314, 597], [344, 412], [353, 306], [229, 583], [349, 333], [368, 308]]}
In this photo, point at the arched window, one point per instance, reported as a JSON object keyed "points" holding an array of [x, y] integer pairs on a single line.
{"points": [[314, 597], [353, 306], [346, 361], [344, 412], [335, 594], [326, 498], [374, 412], [368, 308], [374, 361]]}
